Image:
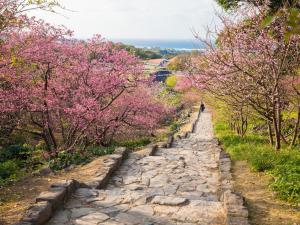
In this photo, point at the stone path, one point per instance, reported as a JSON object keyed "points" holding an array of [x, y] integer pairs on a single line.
{"points": [[179, 185]]}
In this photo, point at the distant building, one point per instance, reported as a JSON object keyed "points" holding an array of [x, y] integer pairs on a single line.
{"points": [[156, 62]]}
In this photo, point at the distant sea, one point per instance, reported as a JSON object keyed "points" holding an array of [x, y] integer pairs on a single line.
{"points": [[179, 45]]}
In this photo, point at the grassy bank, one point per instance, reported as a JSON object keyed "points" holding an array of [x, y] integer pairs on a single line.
{"points": [[22, 159], [16, 161], [283, 166]]}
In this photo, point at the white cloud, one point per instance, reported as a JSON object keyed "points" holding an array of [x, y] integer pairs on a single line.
{"points": [[165, 19]]}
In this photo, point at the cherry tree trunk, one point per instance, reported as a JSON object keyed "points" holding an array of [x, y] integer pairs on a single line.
{"points": [[296, 129], [271, 140]]}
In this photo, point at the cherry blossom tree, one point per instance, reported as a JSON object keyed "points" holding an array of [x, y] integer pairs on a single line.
{"points": [[12, 17], [249, 67], [73, 93], [13, 12]]}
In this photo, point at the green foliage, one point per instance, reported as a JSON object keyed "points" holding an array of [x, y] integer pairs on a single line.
{"points": [[171, 97], [293, 22], [274, 4], [178, 63], [262, 160], [171, 81], [100, 151], [17, 160], [65, 159], [287, 182], [283, 166], [174, 126], [134, 143], [267, 21], [228, 4], [21, 152], [149, 53], [9, 171], [142, 53]]}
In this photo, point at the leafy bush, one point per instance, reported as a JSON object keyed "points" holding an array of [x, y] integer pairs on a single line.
{"points": [[134, 143], [287, 182], [21, 152], [17, 160], [8, 171], [171, 97], [65, 159], [143, 53], [171, 81], [261, 160], [100, 151], [174, 126]]}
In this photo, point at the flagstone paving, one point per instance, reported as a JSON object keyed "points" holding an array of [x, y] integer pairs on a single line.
{"points": [[177, 186]]}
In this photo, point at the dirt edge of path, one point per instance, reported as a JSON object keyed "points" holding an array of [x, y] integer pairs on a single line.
{"points": [[22, 194], [263, 207]]}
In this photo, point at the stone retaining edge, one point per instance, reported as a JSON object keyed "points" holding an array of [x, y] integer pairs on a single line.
{"points": [[111, 164], [171, 137], [152, 149], [235, 210], [194, 125], [49, 201]]}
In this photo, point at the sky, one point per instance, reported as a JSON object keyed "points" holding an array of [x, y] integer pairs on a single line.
{"points": [[135, 19]]}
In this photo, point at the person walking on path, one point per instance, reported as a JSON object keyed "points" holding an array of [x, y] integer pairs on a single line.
{"points": [[202, 107]]}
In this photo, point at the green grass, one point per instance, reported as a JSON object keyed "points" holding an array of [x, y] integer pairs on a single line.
{"points": [[19, 159], [16, 161], [9, 171], [65, 159], [283, 166], [132, 144]]}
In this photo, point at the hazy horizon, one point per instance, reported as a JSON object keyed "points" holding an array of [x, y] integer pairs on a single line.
{"points": [[176, 44], [135, 19]]}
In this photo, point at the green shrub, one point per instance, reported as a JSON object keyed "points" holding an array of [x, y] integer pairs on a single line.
{"points": [[170, 97], [15, 152], [239, 151], [287, 182], [65, 159], [171, 81], [288, 157], [134, 143], [41, 145], [35, 161], [100, 151], [283, 166], [8, 171], [174, 126], [262, 160]]}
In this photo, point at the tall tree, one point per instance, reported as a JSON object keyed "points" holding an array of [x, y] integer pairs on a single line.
{"points": [[273, 4]]}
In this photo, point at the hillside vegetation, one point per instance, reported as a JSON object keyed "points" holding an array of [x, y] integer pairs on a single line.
{"points": [[283, 166], [65, 101], [250, 75]]}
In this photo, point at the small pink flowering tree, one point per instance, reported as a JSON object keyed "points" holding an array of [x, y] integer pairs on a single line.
{"points": [[249, 67], [73, 93]]}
